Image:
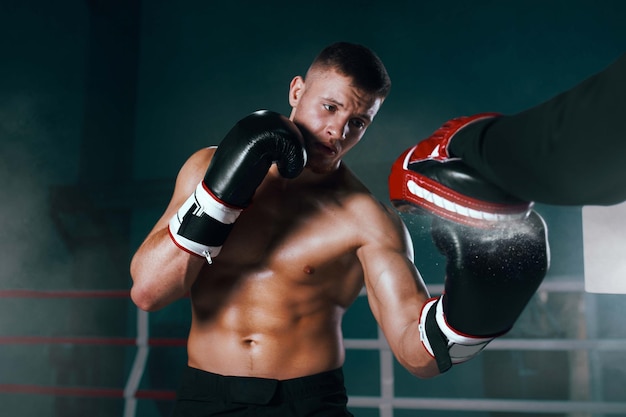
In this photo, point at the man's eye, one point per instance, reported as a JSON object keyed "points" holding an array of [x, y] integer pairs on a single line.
{"points": [[330, 107], [358, 123]]}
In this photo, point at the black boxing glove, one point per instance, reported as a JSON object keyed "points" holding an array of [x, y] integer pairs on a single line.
{"points": [[491, 274], [426, 178], [238, 167]]}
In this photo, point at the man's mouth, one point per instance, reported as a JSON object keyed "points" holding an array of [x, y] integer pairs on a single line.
{"points": [[325, 149]]}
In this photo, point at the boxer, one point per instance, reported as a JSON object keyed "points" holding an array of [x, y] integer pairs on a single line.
{"points": [[273, 237]]}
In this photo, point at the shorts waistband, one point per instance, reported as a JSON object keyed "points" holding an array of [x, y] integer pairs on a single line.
{"points": [[202, 385]]}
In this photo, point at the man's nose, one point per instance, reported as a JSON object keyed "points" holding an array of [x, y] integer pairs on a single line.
{"points": [[337, 129]]}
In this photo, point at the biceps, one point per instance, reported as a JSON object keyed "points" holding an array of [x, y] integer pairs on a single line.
{"points": [[395, 289]]}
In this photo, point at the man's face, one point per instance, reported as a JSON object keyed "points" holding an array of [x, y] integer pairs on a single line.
{"points": [[332, 115]]}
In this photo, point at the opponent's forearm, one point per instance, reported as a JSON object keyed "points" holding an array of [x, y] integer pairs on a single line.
{"points": [[566, 150], [161, 272]]}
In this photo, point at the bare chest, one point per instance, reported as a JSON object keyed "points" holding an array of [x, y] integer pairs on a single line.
{"points": [[292, 249], [284, 230]]}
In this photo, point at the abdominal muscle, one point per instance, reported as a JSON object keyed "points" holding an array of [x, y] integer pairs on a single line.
{"points": [[267, 328], [290, 354]]}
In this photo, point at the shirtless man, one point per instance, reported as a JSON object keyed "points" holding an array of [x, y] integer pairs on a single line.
{"points": [[289, 247]]}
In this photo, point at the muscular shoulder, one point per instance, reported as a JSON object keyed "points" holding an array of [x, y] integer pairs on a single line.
{"points": [[378, 224], [198, 161], [194, 169]]}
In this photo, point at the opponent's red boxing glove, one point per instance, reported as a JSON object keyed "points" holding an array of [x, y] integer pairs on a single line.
{"points": [[238, 167], [426, 178], [491, 274]]}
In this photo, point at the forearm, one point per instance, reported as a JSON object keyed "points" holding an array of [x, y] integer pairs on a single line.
{"points": [[396, 297], [412, 355], [161, 272]]}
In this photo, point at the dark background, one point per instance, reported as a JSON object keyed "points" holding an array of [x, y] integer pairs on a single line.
{"points": [[102, 101]]}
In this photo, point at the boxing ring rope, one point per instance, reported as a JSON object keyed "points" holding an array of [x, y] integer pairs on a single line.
{"points": [[131, 392], [386, 402]]}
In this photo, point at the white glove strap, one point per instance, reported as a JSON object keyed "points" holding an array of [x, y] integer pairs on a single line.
{"points": [[460, 347], [205, 204], [209, 204]]}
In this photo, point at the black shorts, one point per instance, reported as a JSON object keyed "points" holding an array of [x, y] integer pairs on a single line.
{"points": [[206, 394]]}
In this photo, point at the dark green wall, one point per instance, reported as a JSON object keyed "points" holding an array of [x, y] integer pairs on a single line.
{"points": [[102, 101]]}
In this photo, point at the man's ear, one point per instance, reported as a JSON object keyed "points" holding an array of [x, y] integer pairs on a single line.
{"points": [[296, 88]]}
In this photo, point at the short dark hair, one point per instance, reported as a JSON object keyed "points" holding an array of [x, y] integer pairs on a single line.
{"points": [[357, 62]]}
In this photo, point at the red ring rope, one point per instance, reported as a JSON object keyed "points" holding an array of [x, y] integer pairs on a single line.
{"points": [[106, 341], [92, 392], [22, 293]]}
